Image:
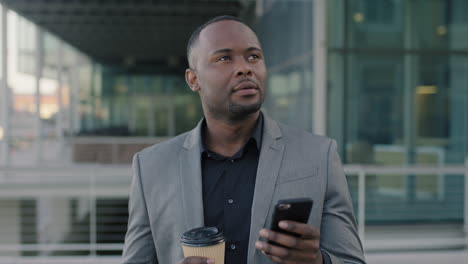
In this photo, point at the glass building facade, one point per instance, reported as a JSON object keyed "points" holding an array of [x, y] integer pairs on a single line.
{"points": [[398, 93], [119, 104]]}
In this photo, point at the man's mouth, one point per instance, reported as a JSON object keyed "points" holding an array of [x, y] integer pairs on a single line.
{"points": [[246, 88], [245, 85]]}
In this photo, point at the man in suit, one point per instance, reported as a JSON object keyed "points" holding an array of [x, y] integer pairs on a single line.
{"points": [[234, 166]]}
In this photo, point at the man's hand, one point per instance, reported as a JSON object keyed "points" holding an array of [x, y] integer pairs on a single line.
{"points": [[298, 250], [196, 260]]}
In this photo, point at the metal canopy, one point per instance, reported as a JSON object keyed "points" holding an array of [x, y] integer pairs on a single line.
{"points": [[132, 31]]}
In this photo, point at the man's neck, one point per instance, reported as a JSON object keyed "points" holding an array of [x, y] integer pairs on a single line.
{"points": [[226, 138]]}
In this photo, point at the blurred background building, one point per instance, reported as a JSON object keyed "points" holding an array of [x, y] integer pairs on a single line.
{"points": [[84, 84]]}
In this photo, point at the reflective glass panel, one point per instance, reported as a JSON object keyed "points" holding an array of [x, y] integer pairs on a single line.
{"points": [[397, 96]]}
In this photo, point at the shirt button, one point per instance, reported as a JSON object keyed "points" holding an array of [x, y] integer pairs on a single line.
{"points": [[233, 247], [231, 201], [232, 161]]}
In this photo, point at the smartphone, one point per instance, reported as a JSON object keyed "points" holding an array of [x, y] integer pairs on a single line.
{"points": [[291, 209]]}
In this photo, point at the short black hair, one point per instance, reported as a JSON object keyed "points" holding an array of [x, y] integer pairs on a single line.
{"points": [[196, 33]]}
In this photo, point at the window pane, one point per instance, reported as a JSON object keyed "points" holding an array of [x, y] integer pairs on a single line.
{"points": [[289, 60], [375, 23], [374, 110]]}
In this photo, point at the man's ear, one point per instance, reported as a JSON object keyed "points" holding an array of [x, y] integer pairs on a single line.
{"points": [[192, 80]]}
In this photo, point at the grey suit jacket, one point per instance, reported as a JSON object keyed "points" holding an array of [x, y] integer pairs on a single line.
{"points": [[166, 194]]}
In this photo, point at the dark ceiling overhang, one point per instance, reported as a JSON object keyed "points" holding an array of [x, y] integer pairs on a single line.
{"points": [[125, 31]]}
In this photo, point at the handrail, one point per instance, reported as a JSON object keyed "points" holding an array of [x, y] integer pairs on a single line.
{"points": [[362, 171], [355, 169], [352, 169], [94, 180]]}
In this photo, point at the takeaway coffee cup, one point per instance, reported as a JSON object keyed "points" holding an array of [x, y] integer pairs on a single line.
{"points": [[204, 242]]}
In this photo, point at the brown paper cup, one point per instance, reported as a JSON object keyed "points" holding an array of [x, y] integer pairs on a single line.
{"points": [[204, 242], [215, 252]]}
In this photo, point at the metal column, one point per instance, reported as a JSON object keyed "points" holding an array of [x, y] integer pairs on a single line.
{"points": [[171, 114], [410, 82], [151, 110], [320, 67], [132, 116], [75, 118], [39, 68], [465, 205], [362, 204], [91, 124], [59, 125], [4, 95]]}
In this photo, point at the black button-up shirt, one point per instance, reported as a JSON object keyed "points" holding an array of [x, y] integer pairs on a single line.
{"points": [[228, 189]]}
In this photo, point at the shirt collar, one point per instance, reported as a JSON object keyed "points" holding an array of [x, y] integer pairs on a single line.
{"points": [[256, 135]]}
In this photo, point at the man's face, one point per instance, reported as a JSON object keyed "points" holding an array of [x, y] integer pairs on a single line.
{"points": [[229, 70]]}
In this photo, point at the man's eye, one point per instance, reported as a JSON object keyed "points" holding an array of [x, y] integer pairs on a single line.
{"points": [[224, 58], [254, 57]]}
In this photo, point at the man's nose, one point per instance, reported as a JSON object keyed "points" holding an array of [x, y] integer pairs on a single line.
{"points": [[243, 68]]}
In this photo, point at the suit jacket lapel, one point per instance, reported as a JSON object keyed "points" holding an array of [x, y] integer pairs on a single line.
{"points": [[191, 179], [271, 155]]}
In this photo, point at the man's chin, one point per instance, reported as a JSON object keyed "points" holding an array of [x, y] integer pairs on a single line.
{"points": [[240, 112]]}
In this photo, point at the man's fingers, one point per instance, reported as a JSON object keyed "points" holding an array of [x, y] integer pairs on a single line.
{"points": [[305, 230], [282, 239], [300, 243], [271, 250], [197, 260], [284, 254], [303, 249], [277, 260]]}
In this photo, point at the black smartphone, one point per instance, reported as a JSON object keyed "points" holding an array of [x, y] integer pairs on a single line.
{"points": [[291, 209]]}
